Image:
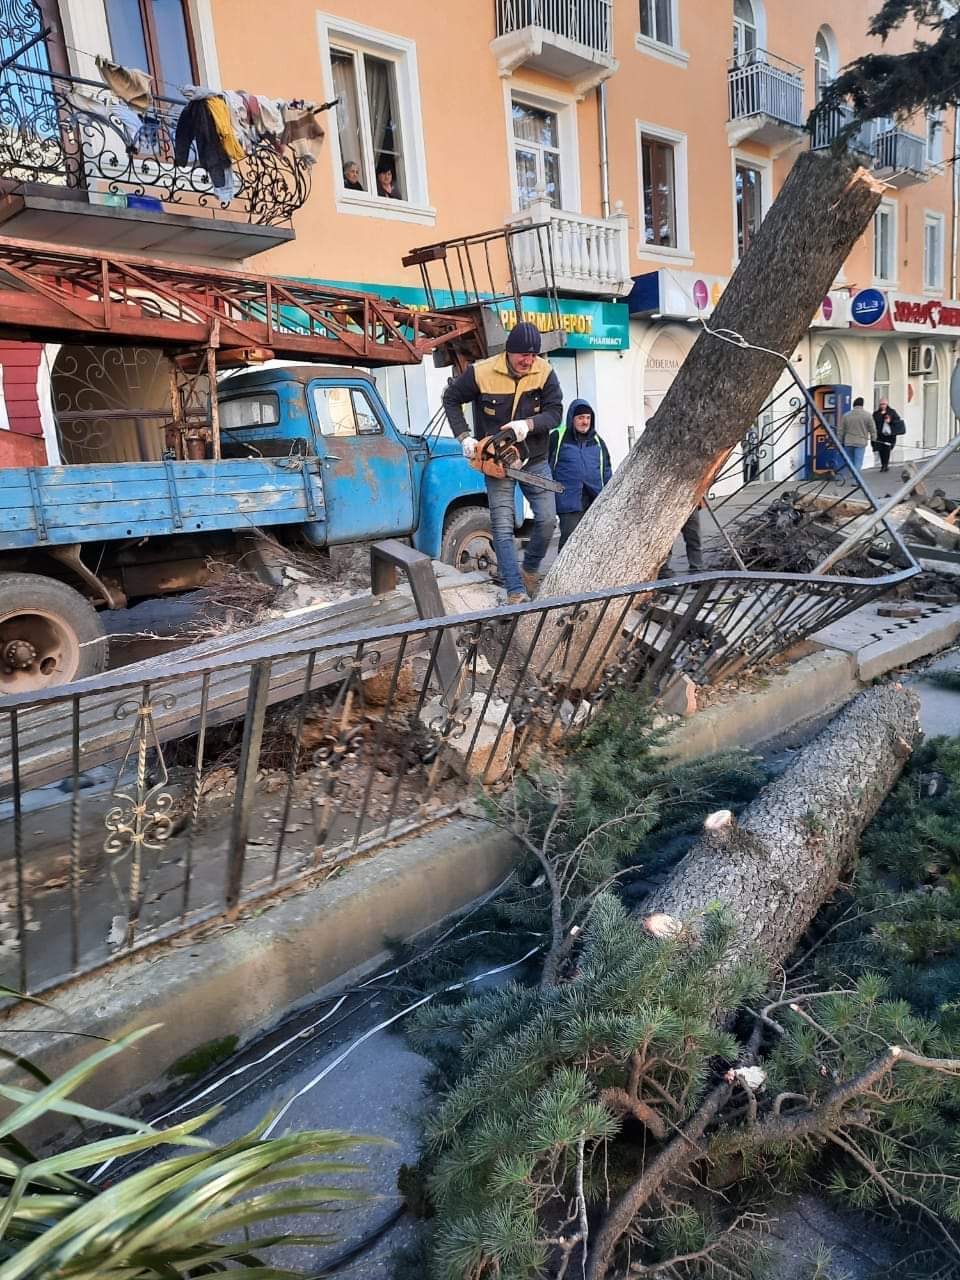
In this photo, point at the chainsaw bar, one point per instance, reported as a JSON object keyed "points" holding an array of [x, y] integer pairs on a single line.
{"points": [[535, 482]]}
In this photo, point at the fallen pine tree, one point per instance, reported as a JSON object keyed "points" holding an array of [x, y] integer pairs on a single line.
{"points": [[610, 1122]]}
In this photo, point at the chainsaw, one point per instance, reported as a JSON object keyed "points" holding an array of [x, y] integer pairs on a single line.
{"points": [[499, 458]]}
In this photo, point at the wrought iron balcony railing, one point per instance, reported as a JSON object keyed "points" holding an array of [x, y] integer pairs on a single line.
{"points": [[585, 22], [68, 132], [900, 152], [829, 126], [761, 84]]}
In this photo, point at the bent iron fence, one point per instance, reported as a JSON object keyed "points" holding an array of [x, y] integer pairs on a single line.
{"points": [[140, 804]]}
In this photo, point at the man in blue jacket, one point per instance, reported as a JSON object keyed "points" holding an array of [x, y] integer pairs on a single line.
{"points": [[580, 461]]}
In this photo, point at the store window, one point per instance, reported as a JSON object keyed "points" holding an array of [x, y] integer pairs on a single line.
{"points": [[827, 372], [657, 21], [536, 152], [931, 405], [933, 251], [368, 123], [881, 378], [154, 36], [749, 194], [744, 32], [658, 160], [885, 243]]}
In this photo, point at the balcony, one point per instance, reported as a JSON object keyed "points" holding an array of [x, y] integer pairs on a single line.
{"points": [[589, 255], [900, 158], [571, 40], [72, 171], [765, 100], [839, 121]]}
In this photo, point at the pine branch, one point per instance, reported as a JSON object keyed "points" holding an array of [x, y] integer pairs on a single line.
{"points": [[707, 1253]]}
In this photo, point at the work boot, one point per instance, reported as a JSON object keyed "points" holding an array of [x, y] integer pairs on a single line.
{"points": [[531, 581], [518, 597]]}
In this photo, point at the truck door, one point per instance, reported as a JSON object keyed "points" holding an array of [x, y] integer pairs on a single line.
{"points": [[367, 472]]}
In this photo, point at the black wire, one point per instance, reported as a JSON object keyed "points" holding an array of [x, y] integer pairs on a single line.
{"points": [[362, 1246]]}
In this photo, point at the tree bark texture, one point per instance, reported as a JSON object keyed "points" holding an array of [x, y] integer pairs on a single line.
{"points": [[822, 210], [775, 866]]}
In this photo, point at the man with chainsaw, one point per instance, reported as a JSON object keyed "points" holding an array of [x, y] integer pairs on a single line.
{"points": [[517, 401]]}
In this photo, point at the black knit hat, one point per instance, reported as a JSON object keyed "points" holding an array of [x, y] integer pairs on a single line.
{"points": [[524, 339]]}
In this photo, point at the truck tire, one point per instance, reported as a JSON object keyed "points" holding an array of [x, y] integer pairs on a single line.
{"points": [[49, 634], [468, 542]]}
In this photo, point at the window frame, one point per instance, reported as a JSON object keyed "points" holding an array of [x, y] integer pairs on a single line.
{"points": [[745, 57], [829, 63], [890, 209], [682, 252], [666, 50], [564, 107], [153, 46], [933, 149], [932, 218], [337, 33], [746, 160]]}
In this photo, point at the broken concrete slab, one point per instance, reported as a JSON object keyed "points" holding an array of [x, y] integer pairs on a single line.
{"points": [[879, 644], [481, 746]]}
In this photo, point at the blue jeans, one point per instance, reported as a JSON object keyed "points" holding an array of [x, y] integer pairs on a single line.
{"points": [[500, 495], [856, 452]]}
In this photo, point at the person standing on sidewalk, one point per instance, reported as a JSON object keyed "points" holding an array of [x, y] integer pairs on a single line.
{"points": [[889, 425], [517, 390], [580, 461], [857, 430]]}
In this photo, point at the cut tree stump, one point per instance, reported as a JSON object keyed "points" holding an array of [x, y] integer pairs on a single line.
{"points": [[775, 866]]}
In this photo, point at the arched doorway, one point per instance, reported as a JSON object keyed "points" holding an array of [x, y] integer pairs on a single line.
{"points": [[824, 60], [881, 378], [745, 42], [110, 403]]}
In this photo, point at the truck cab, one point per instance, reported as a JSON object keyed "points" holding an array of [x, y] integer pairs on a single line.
{"points": [[310, 449]]}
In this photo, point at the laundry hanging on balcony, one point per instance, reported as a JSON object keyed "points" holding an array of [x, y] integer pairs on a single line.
{"points": [[130, 85]]}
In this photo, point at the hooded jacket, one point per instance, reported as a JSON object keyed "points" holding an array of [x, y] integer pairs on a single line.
{"points": [[581, 463], [498, 398]]}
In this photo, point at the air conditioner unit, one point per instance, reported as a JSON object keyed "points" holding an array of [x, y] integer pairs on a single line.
{"points": [[920, 359]]}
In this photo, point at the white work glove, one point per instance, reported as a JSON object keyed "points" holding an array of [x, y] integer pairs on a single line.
{"points": [[520, 428], [469, 445]]}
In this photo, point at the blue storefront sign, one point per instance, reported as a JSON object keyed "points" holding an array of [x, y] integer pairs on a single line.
{"points": [[588, 325], [868, 307]]}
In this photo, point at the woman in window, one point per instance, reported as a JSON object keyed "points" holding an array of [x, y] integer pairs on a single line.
{"points": [[386, 184], [351, 176]]}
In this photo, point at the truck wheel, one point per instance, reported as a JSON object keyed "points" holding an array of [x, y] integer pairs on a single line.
{"points": [[468, 541], [49, 634]]}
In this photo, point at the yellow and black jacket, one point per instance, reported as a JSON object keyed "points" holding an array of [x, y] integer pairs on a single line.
{"points": [[498, 397]]}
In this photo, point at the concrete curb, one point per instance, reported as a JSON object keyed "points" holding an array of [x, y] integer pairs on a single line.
{"points": [[816, 684], [244, 977]]}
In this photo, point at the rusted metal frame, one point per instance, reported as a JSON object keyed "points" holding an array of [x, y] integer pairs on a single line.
{"points": [[331, 803], [679, 632], [616, 637], [75, 836], [505, 646], [574, 667], [22, 966], [212, 346], [195, 796], [378, 740], [246, 786], [327, 321], [294, 761], [518, 683], [416, 719], [34, 285], [163, 289]]}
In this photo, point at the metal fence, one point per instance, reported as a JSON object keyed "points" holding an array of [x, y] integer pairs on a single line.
{"points": [[140, 804], [763, 84]]}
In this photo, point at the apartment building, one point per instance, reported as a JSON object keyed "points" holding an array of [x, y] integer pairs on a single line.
{"points": [[652, 136]]}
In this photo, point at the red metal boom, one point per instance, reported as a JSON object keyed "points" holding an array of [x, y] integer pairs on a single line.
{"points": [[54, 293]]}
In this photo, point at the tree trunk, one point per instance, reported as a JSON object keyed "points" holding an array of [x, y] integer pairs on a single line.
{"points": [[775, 867], [822, 210]]}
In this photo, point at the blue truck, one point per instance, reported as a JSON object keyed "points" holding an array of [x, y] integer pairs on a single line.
{"points": [[308, 452]]}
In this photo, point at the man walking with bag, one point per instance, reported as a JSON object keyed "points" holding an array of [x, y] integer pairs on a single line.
{"points": [[516, 391]]}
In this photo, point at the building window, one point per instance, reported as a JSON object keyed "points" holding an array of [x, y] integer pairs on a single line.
{"points": [[881, 378], [934, 137], [659, 193], [828, 367], [154, 36], [536, 153], [656, 21], [749, 192], [744, 32], [824, 61], [933, 251], [885, 243], [368, 123]]}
